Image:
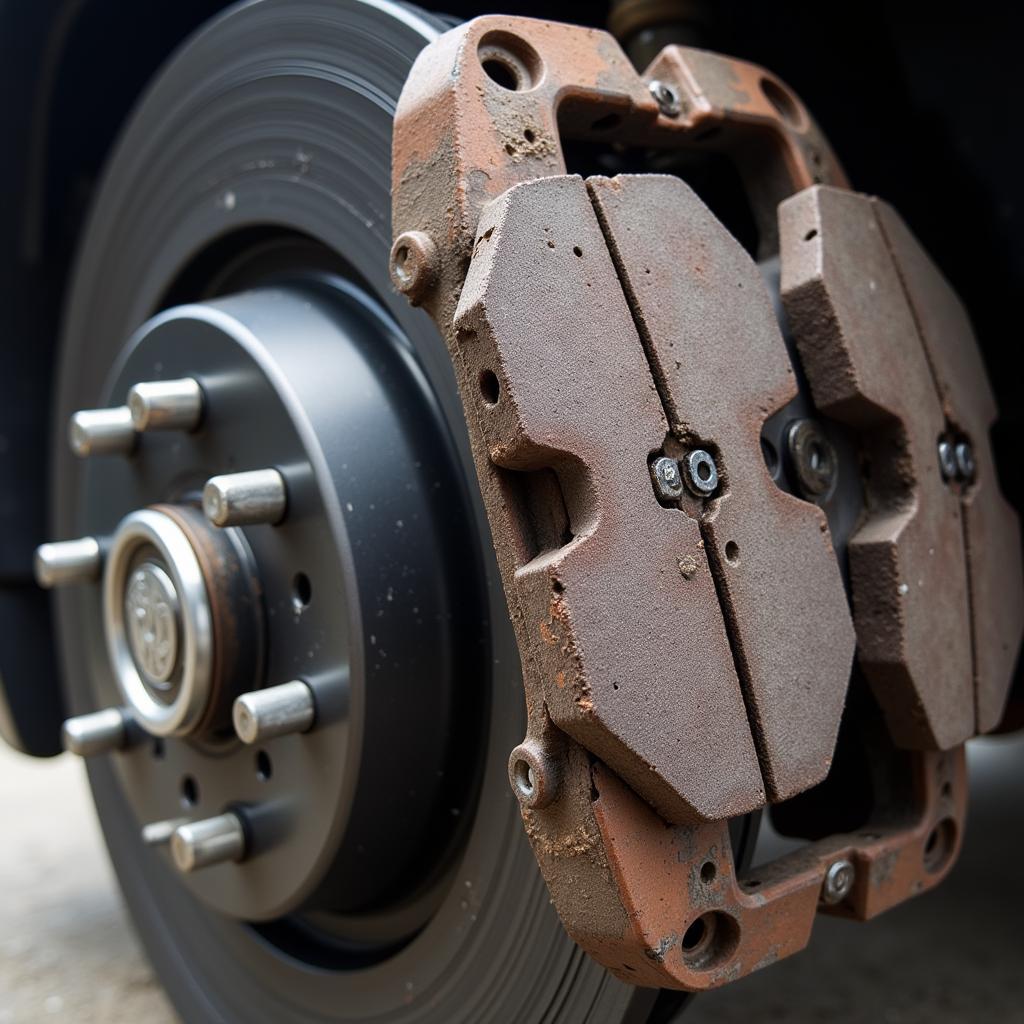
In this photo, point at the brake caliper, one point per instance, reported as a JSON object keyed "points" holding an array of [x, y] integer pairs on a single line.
{"points": [[690, 629]]}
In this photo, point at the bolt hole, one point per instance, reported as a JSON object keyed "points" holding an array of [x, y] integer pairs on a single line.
{"points": [[781, 100], [401, 261], [577, 251], [695, 935], [302, 591], [707, 872], [732, 552], [509, 61], [189, 791], [526, 781], [709, 940], [264, 766], [703, 471], [489, 387], [502, 73]]}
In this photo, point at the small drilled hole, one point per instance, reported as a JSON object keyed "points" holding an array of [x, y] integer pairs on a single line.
{"points": [[158, 748], [302, 591], [811, 235], [529, 135], [189, 791], [577, 251], [489, 387], [264, 766], [947, 790], [732, 552], [781, 100], [707, 872]]}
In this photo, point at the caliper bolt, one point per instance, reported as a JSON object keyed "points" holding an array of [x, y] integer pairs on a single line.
{"points": [[813, 458], [244, 499], [68, 561], [99, 732], [102, 432], [668, 481], [701, 473], [200, 844], [413, 265], [965, 461], [166, 404], [838, 882], [947, 459], [667, 97]]}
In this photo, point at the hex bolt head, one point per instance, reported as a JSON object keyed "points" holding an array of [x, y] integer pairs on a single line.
{"points": [[99, 732], [667, 97], [965, 465], [201, 844], [245, 499], [668, 480], [947, 459], [166, 404], [68, 561], [813, 458], [838, 882], [413, 265], [276, 711], [102, 432], [158, 833], [700, 473]]}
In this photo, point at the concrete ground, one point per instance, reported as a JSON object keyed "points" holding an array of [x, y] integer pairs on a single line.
{"points": [[956, 956]]}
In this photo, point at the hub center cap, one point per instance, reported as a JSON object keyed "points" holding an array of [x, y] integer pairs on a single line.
{"points": [[151, 612]]}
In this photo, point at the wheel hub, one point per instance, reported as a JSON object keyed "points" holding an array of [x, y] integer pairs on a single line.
{"points": [[282, 544]]}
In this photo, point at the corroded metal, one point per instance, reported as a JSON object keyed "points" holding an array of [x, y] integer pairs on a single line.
{"points": [[685, 657], [887, 348]]}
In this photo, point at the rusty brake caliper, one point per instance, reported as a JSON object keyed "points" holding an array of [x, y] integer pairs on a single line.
{"points": [[687, 652]]}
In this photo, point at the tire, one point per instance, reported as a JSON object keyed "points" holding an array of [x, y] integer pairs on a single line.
{"points": [[276, 116]]}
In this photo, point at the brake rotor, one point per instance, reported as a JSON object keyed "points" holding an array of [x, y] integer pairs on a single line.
{"points": [[242, 188]]}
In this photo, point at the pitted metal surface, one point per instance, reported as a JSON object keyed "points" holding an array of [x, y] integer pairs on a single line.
{"points": [[686, 650], [863, 349], [722, 367]]}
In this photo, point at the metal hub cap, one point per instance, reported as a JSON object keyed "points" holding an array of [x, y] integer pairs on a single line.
{"points": [[158, 623]]}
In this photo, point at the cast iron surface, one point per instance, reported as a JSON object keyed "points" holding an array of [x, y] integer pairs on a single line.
{"points": [[278, 116]]}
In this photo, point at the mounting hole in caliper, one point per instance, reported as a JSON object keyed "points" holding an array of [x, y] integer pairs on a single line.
{"points": [[710, 939]]}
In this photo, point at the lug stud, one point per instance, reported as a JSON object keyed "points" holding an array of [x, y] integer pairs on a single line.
{"points": [[166, 404], [97, 733], [102, 432], [200, 844], [68, 561], [158, 833], [245, 499], [275, 711]]}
